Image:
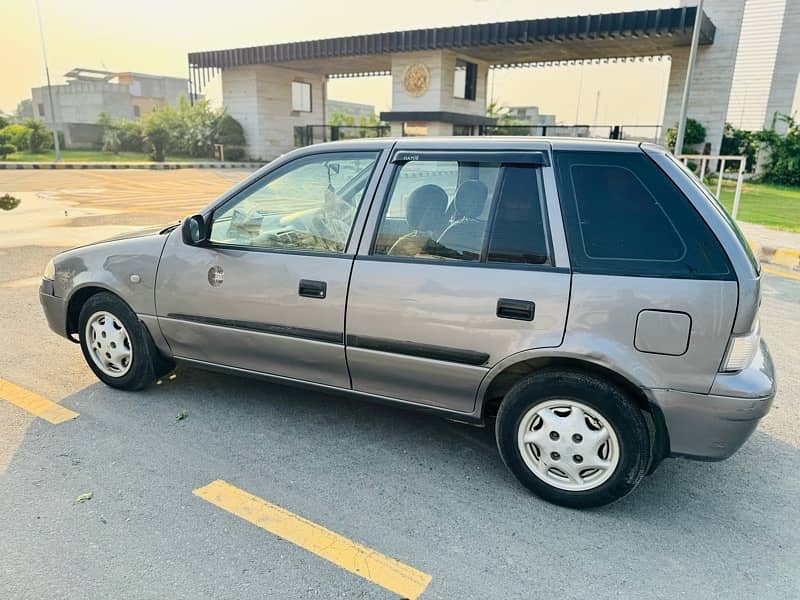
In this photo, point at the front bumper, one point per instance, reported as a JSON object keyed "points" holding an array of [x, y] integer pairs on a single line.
{"points": [[54, 308], [714, 426]]}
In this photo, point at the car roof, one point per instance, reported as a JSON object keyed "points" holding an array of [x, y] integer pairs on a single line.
{"points": [[485, 142]]}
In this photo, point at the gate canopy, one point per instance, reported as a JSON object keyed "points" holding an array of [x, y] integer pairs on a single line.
{"points": [[610, 35]]}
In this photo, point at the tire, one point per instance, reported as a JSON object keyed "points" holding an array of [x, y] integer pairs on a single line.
{"points": [[110, 315], [551, 425]]}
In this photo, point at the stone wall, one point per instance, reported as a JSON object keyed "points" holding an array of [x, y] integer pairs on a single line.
{"points": [[260, 98], [713, 73]]}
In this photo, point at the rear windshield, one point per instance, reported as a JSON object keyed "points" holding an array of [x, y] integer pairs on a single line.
{"points": [[716, 203]]}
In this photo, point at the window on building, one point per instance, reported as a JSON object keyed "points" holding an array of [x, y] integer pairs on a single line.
{"points": [[41, 109], [301, 96], [465, 80], [137, 111]]}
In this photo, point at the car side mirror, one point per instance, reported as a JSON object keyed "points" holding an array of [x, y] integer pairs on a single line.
{"points": [[193, 230]]}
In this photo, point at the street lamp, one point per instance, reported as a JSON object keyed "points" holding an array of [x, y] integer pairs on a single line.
{"points": [[56, 146]]}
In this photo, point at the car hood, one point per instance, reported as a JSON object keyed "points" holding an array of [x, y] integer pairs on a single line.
{"points": [[147, 231]]}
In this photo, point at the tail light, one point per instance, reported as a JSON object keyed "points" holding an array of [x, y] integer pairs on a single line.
{"points": [[741, 350]]}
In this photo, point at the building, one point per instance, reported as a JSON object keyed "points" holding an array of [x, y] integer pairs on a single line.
{"points": [[765, 80], [531, 115], [89, 92], [352, 109], [439, 75]]}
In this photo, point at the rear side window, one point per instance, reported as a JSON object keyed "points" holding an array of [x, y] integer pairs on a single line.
{"points": [[624, 216]]}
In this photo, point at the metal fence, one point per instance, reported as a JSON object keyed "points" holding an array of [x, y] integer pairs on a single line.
{"points": [[305, 135], [701, 161], [641, 133]]}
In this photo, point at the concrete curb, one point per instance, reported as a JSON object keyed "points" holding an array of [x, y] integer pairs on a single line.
{"points": [[784, 257], [156, 166]]}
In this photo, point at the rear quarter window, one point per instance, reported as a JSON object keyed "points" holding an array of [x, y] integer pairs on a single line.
{"points": [[624, 216]]}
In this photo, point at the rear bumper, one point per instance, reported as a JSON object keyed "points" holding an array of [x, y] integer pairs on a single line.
{"points": [[54, 309], [714, 426]]}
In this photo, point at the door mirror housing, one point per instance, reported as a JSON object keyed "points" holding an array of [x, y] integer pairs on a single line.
{"points": [[194, 230]]}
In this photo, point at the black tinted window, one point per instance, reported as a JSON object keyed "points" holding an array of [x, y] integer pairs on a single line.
{"points": [[518, 231], [624, 216]]}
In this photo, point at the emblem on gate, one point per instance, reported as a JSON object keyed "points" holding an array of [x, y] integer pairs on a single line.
{"points": [[215, 276], [416, 79]]}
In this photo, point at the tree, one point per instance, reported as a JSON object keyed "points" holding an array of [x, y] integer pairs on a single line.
{"points": [[695, 134], [24, 110], [3, 122]]}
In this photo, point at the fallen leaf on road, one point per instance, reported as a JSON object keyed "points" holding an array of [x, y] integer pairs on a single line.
{"points": [[83, 498], [181, 415]]}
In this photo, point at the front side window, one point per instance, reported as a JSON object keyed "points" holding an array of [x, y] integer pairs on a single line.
{"points": [[624, 216], [467, 212], [301, 96], [308, 205]]}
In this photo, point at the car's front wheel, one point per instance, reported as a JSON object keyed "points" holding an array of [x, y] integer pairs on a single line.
{"points": [[573, 439], [115, 345]]}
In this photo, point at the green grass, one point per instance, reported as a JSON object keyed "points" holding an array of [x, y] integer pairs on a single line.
{"points": [[91, 156], [771, 205]]}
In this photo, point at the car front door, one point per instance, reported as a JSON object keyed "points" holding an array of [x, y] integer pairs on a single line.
{"points": [[266, 292], [463, 263]]}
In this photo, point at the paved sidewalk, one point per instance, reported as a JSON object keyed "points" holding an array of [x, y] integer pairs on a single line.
{"points": [[773, 246]]}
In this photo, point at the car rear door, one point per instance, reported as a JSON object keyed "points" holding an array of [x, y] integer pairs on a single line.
{"points": [[462, 263], [267, 292]]}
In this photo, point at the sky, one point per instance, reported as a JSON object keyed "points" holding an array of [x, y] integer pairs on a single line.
{"points": [[155, 36]]}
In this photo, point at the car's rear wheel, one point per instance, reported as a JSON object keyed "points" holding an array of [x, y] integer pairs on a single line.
{"points": [[572, 439], [115, 345]]}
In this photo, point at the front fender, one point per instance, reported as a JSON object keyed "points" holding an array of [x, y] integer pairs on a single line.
{"points": [[125, 267]]}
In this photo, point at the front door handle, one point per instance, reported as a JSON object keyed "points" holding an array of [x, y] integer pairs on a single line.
{"points": [[521, 310], [309, 288]]}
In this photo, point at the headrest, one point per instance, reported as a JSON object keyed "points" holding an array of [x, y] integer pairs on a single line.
{"points": [[470, 199], [426, 207]]}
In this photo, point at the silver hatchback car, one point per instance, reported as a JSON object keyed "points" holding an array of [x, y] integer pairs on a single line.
{"points": [[589, 298]]}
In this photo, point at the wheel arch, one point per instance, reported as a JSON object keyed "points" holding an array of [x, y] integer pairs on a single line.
{"points": [[496, 388], [77, 299]]}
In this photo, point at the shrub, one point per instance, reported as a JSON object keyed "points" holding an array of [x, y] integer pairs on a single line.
{"points": [[783, 166], [40, 137], [17, 135], [6, 149], [9, 202], [3, 122], [740, 142], [157, 129], [695, 134], [230, 134]]}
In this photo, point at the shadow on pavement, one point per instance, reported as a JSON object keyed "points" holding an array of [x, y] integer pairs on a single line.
{"points": [[431, 492]]}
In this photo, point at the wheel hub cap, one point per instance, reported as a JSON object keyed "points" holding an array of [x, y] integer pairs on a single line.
{"points": [[109, 344], [568, 445]]}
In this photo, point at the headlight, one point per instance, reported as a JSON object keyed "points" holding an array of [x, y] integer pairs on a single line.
{"points": [[50, 270], [741, 350]]}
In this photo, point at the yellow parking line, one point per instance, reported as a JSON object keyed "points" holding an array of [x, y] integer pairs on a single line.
{"points": [[365, 562], [35, 404], [780, 273]]}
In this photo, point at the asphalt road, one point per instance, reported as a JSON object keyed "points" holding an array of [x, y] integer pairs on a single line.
{"points": [[430, 493]]}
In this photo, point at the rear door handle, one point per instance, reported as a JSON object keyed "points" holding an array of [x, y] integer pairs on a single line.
{"points": [[310, 288], [521, 310]]}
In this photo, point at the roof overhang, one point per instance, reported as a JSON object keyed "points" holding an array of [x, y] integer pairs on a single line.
{"points": [[611, 35]]}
